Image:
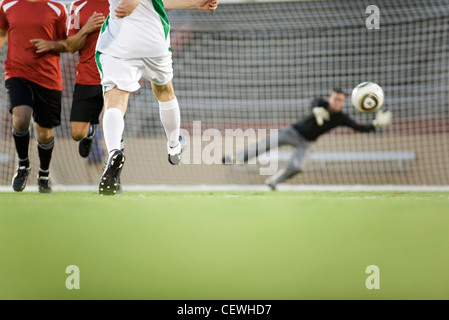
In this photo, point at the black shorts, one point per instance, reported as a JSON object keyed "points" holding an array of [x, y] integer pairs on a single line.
{"points": [[87, 103], [46, 103]]}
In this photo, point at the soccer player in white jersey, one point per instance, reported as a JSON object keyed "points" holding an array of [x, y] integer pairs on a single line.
{"points": [[135, 42]]}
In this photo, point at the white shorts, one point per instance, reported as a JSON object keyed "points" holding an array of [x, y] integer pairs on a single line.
{"points": [[126, 73]]}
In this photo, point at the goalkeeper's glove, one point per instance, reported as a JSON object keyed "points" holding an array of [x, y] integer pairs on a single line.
{"points": [[320, 114], [382, 118]]}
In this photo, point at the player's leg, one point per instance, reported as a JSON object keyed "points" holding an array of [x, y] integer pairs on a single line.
{"points": [[120, 188], [21, 116], [47, 115], [171, 120], [160, 72], [116, 102], [282, 138], [45, 146], [297, 161], [280, 176], [21, 103], [287, 172], [251, 151], [80, 130], [83, 132], [119, 77], [84, 116]]}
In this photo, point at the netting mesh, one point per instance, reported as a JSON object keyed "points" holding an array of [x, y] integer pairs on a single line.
{"points": [[258, 66]]}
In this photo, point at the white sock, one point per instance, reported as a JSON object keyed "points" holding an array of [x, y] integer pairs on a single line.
{"points": [[113, 126], [171, 120]]}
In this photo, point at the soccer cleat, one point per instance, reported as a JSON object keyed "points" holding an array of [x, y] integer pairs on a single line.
{"points": [[20, 178], [119, 189], [175, 153], [109, 183], [44, 185], [85, 145]]}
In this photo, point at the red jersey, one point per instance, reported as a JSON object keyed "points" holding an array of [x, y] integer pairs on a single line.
{"points": [[25, 20], [80, 11]]}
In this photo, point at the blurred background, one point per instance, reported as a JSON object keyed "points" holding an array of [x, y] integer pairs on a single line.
{"points": [[256, 65]]}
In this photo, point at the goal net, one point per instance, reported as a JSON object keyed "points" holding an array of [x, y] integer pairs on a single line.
{"points": [[252, 68]]}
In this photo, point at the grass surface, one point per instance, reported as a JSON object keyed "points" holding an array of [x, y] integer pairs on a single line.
{"points": [[225, 245]]}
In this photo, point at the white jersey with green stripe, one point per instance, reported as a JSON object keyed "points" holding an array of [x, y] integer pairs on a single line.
{"points": [[142, 34]]}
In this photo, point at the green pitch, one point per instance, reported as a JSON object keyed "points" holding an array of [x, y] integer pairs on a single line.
{"points": [[225, 245]]}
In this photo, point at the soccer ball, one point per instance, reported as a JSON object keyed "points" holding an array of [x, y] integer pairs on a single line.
{"points": [[367, 97]]}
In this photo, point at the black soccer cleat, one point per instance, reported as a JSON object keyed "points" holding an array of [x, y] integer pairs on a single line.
{"points": [[85, 145], [109, 183], [175, 159], [44, 185], [20, 178], [119, 189]]}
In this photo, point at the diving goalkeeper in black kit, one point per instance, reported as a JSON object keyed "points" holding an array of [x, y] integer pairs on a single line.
{"points": [[326, 115]]}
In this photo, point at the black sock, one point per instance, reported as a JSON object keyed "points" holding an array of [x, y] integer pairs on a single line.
{"points": [[45, 151], [43, 173], [24, 163], [22, 141]]}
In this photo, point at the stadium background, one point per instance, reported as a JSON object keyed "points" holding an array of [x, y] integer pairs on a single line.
{"points": [[257, 66], [253, 66]]}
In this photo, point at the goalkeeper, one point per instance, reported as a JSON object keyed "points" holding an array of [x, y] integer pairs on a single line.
{"points": [[326, 115]]}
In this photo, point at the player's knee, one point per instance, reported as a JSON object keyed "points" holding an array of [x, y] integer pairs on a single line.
{"points": [[79, 130], [21, 121], [21, 125], [77, 135], [44, 136], [164, 92]]}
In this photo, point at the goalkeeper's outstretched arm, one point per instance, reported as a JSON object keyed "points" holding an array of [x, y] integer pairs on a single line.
{"points": [[383, 118], [348, 122]]}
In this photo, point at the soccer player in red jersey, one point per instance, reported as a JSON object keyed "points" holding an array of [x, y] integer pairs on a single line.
{"points": [[33, 80], [85, 20]]}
